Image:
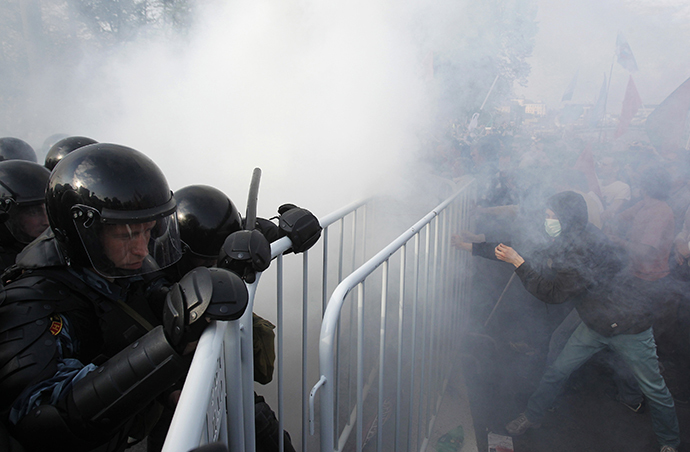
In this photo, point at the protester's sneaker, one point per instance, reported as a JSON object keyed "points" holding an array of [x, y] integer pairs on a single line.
{"points": [[518, 426], [668, 449]]}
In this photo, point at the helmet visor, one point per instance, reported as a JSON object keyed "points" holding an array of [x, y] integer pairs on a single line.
{"points": [[25, 223], [128, 249]]}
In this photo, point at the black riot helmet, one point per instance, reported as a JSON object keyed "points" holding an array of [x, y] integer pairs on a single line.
{"points": [[206, 217], [22, 198], [51, 140], [63, 147], [110, 208], [15, 149]]}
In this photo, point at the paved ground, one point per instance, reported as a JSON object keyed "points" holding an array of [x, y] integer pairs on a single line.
{"points": [[500, 379]]}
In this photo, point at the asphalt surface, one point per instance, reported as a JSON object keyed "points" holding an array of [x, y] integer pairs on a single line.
{"points": [[501, 377]]}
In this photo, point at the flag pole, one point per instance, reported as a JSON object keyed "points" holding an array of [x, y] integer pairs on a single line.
{"points": [[606, 99], [475, 117], [489, 93]]}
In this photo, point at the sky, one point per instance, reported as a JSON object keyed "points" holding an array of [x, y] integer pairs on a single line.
{"points": [[580, 36]]}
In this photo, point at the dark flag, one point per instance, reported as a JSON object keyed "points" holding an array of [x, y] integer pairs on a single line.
{"points": [[568, 94], [666, 124], [631, 103], [624, 54]]}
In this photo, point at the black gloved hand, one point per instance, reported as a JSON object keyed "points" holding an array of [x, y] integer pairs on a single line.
{"points": [[245, 253], [185, 302], [300, 226], [208, 293]]}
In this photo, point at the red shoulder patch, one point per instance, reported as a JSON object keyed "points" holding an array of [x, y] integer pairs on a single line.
{"points": [[55, 325]]}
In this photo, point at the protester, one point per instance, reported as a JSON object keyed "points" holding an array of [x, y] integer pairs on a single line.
{"points": [[582, 265], [614, 191]]}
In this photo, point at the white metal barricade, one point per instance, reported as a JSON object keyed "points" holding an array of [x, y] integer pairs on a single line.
{"points": [[388, 357], [217, 400]]}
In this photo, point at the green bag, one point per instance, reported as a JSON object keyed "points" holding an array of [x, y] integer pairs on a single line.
{"points": [[264, 349]]}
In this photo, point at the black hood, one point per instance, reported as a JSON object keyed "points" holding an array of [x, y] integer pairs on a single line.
{"points": [[571, 210]]}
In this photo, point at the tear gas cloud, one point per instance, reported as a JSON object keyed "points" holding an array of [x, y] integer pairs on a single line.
{"points": [[325, 97]]}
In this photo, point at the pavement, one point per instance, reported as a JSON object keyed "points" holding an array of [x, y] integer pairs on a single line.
{"points": [[500, 377]]}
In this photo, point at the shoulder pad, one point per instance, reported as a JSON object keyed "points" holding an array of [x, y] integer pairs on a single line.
{"points": [[28, 347], [42, 252]]}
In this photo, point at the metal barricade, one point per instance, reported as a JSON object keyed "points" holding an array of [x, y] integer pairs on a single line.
{"points": [[217, 400], [398, 368]]}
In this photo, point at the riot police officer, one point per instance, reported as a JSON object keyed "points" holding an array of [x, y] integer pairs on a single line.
{"points": [[64, 146], [210, 225], [83, 356], [22, 206], [12, 148]]}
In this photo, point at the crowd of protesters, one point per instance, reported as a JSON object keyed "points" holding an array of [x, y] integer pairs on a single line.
{"points": [[636, 201]]}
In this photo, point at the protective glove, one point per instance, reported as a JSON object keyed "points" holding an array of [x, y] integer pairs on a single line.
{"points": [[209, 293], [245, 253], [300, 226]]}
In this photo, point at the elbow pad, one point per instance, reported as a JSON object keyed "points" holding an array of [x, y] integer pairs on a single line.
{"points": [[101, 403]]}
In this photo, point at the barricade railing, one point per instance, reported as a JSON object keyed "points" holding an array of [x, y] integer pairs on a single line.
{"points": [[389, 355], [217, 400]]}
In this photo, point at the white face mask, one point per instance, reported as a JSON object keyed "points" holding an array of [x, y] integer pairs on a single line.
{"points": [[553, 227]]}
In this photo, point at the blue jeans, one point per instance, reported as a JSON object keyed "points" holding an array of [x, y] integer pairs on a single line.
{"points": [[626, 384], [638, 351]]}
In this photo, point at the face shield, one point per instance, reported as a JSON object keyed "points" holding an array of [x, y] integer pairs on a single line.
{"points": [[25, 223], [128, 243]]}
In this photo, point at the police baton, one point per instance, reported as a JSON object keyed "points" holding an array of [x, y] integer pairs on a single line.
{"points": [[253, 199]]}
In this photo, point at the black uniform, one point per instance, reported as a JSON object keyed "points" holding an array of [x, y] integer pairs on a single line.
{"points": [[57, 323]]}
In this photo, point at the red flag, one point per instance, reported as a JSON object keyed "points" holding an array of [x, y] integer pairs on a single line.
{"points": [[631, 103], [585, 164], [624, 54], [666, 124]]}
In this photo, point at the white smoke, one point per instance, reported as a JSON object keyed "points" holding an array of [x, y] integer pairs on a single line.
{"points": [[326, 98]]}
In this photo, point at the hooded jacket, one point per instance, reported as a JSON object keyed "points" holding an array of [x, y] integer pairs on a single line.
{"points": [[582, 265]]}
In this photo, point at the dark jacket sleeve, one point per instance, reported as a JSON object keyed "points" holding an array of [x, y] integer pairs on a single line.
{"points": [[551, 286], [487, 250]]}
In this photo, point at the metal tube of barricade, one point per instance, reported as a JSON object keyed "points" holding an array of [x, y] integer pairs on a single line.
{"points": [[433, 336], [415, 298], [338, 360], [247, 369], [382, 353], [423, 401], [279, 334], [360, 364], [341, 247], [324, 272], [190, 416], [329, 325], [235, 398], [401, 317], [305, 331]]}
